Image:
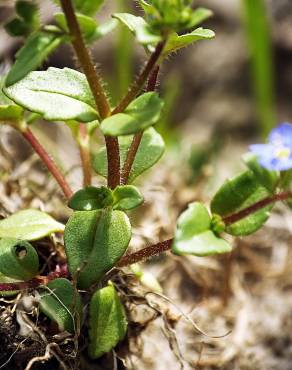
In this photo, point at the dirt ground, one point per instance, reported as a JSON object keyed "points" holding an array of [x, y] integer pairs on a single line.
{"points": [[232, 312]]}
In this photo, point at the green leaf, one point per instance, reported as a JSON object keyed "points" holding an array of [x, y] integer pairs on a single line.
{"points": [[28, 11], [6, 279], [16, 27], [139, 27], [269, 179], [139, 115], [61, 303], [87, 24], [107, 321], [127, 197], [34, 52], [199, 16], [236, 194], [57, 94], [149, 152], [88, 7], [18, 259], [176, 42], [194, 236], [91, 198], [94, 242], [29, 224], [10, 112]]}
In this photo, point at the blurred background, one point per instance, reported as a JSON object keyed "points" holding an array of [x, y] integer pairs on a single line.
{"points": [[221, 95]]}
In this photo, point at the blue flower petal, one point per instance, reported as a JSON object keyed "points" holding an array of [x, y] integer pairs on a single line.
{"points": [[282, 135], [276, 164]]}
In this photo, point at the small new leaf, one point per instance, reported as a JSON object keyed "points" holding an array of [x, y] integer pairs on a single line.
{"points": [[18, 259], [61, 303], [29, 224], [107, 321], [139, 27], [10, 112], [91, 198], [194, 236], [236, 194], [56, 94], [139, 115], [149, 152], [34, 52], [176, 41], [127, 197]]}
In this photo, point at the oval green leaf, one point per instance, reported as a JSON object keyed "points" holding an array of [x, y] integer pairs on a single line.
{"points": [[149, 152], [107, 322], [139, 115], [236, 194], [57, 94], [91, 198], [194, 236], [127, 197], [34, 52], [18, 259], [94, 242], [61, 303], [29, 224]]}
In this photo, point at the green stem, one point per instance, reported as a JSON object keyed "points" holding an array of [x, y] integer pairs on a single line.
{"points": [[48, 161], [95, 83]]}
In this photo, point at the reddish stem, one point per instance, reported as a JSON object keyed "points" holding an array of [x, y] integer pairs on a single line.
{"points": [[140, 81], [125, 173], [48, 161], [231, 219], [95, 83], [85, 154], [145, 253], [61, 272]]}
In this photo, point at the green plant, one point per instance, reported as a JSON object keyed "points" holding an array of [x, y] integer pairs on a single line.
{"points": [[98, 232]]}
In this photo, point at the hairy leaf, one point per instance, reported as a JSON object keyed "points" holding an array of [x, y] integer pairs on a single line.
{"points": [[149, 152], [107, 321], [127, 197], [94, 242], [176, 41], [29, 224], [194, 236], [18, 259], [34, 52], [61, 303], [236, 194], [139, 27], [57, 94], [139, 115], [91, 198]]}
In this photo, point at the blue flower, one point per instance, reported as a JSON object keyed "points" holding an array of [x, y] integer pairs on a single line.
{"points": [[277, 153]]}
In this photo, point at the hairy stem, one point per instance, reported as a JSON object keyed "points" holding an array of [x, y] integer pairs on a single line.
{"points": [[140, 81], [48, 161], [125, 173], [145, 253], [61, 272], [85, 154], [95, 83], [158, 248], [231, 219]]}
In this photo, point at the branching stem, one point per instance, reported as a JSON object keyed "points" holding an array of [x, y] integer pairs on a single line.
{"points": [[95, 83], [48, 161]]}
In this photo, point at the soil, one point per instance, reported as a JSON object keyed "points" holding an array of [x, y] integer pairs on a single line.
{"points": [[232, 312]]}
